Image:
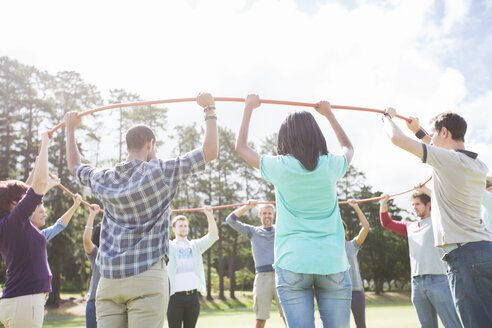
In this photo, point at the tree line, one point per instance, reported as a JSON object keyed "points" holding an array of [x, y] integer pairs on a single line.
{"points": [[32, 101]]}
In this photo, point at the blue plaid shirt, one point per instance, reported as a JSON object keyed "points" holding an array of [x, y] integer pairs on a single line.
{"points": [[136, 197]]}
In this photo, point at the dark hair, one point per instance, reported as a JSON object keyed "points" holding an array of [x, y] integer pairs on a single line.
{"points": [[424, 198], [488, 181], [11, 191], [137, 136], [301, 137], [96, 234], [451, 121]]}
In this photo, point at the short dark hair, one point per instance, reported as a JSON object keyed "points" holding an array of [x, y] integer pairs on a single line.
{"points": [[301, 137], [488, 181], [11, 191], [424, 198], [451, 121], [138, 135], [96, 234]]}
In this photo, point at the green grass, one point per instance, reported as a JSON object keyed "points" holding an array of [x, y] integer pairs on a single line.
{"points": [[399, 315]]}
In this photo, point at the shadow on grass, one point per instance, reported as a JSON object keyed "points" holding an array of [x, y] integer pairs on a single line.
{"points": [[217, 304]]}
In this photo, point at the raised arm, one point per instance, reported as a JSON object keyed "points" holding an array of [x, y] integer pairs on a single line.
{"points": [[86, 238], [324, 108], [398, 138], [361, 237], [212, 225], [239, 226], [242, 148], [52, 181], [211, 141], [40, 177], [243, 209], [73, 156], [68, 214], [386, 221]]}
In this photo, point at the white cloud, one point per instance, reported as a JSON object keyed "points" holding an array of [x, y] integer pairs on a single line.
{"points": [[455, 13]]}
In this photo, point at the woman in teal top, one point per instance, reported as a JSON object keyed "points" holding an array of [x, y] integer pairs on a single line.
{"points": [[310, 256]]}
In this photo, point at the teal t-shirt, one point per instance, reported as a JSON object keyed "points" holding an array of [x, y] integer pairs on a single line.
{"points": [[309, 232]]}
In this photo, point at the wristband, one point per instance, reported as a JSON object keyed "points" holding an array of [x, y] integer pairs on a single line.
{"points": [[87, 227], [420, 134], [210, 117], [208, 107]]}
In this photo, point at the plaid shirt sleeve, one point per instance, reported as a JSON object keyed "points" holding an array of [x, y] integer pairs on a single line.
{"points": [[84, 174], [181, 167]]}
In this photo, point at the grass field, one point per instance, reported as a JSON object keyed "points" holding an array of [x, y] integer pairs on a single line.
{"points": [[377, 315]]}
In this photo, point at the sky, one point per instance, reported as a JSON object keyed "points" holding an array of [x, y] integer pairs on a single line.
{"points": [[422, 57]]}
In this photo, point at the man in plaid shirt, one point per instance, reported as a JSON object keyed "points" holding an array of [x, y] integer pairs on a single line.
{"points": [[133, 289]]}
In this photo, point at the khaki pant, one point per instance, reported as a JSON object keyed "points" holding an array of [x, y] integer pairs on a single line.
{"points": [[137, 301], [264, 292], [23, 311]]}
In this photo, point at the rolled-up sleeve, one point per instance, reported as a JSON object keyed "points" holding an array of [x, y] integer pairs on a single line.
{"points": [[180, 168], [84, 174]]}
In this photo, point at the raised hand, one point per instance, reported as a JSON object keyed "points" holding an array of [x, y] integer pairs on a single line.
{"points": [[72, 119], [252, 101], [205, 100], [324, 108]]}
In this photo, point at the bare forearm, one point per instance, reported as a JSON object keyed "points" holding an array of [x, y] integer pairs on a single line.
{"points": [[41, 173], [242, 148], [361, 237], [242, 137], [362, 218], [240, 211], [87, 236], [73, 155], [68, 214], [30, 178], [399, 139], [211, 140], [342, 137], [212, 226], [427, 139]]}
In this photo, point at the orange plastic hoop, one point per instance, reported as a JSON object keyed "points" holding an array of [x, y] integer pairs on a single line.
{"points": [[225, 99]]}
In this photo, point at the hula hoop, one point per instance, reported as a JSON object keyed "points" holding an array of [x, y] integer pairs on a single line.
{"points": [[227, 99]]}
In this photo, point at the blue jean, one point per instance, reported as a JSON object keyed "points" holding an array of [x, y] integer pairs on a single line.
{"points": [[470, 277], [431, 296], [333, 293], [359, 308], [90, 314]]}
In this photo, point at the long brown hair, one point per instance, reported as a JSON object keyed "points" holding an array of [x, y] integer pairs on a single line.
{"points": [[301, 137]]}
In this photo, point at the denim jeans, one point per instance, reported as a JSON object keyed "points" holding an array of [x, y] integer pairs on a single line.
{"points": [[470, 277], [431, 296], [333, 293], [359, 308], [90, 314]]}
